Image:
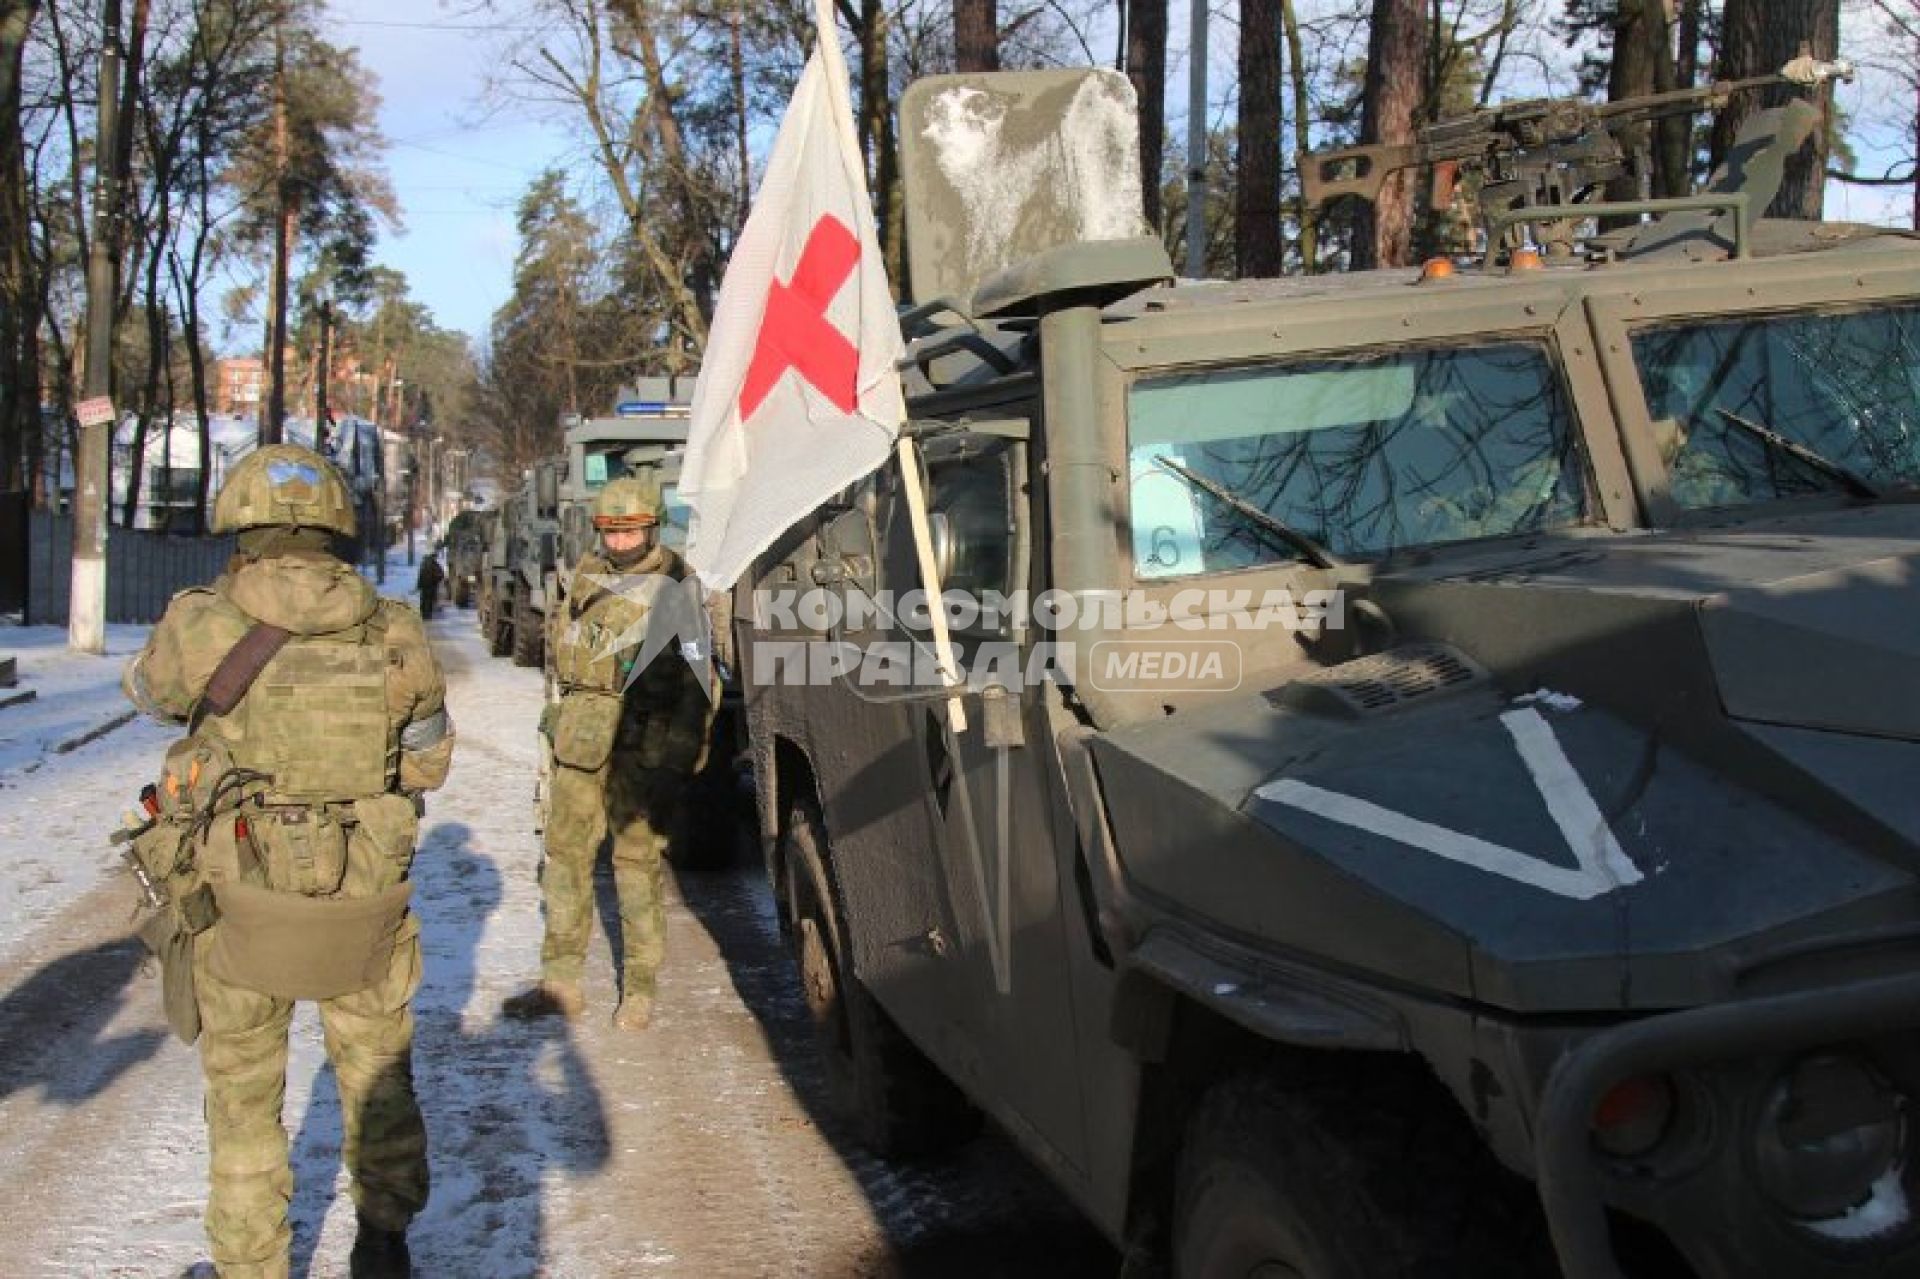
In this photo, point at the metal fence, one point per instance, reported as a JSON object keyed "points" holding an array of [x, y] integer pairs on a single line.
{"points": [[13, 551], [143, 569]]}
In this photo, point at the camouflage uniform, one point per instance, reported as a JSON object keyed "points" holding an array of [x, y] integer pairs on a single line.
{"points": [[345, 724], [622, 744]]}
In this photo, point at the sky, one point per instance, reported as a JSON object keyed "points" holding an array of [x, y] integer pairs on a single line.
{"points": [[459, 165]]}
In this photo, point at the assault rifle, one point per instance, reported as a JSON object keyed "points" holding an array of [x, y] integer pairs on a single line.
{"points": [[1536, 153]]}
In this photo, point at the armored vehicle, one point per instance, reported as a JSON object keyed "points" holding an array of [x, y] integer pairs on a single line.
{"points": [[1466, 820], [519, 567], [648, 431], [468, 535]]}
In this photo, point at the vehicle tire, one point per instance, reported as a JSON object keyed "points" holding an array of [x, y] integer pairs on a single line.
{"points": [[897, 1102], [528, 645], [462, 593], [1338, 1181], [498, 636]]}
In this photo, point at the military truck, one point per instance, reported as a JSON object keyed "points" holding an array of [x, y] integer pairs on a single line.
{"points": [[468, 535], [647, 432], [1542, 893], [519, 566]]}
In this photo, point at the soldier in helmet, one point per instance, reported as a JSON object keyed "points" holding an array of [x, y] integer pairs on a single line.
{"points": [[624, 739], [315, 717]]}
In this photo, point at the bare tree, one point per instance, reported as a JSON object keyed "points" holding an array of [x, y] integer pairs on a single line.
{"points": [[1256, 197], [20, 307], [1147, 68], [1391, 99], [976, 36], [1758, 36]]}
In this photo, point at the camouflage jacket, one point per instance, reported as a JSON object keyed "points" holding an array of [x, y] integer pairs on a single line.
{"points": [[596, 642]]}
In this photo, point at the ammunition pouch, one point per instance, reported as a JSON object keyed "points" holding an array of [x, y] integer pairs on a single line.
{"points": [[303, 849], [584, 729], [294, 947], [167, 936], [387, 829], [168, 931]]}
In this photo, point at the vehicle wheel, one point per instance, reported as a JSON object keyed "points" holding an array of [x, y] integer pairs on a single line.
{"points": [[897, 1102], [499, 635], [527, 643], [1335, 1182]]}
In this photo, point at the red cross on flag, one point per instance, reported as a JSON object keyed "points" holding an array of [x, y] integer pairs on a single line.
{"points": [[798, 394]]}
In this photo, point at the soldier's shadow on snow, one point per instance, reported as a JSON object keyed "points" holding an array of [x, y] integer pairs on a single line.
{"points": [[53, 1025], [504, 1101]]}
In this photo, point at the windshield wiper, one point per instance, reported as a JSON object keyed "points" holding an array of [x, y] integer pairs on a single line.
{"points": [[1309, 549], [1855, 482]]}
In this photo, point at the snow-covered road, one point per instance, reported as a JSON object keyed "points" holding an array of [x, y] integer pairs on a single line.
{"points": [[699, 1148]]}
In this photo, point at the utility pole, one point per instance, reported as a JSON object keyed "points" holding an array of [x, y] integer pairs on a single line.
{"points": [[87, 607]]}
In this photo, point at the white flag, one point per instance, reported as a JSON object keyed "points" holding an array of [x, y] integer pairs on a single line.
{"points": [[798, 394]]}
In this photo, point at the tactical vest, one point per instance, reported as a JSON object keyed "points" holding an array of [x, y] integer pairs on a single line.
{"points": [[316, 719], [599, 641]]}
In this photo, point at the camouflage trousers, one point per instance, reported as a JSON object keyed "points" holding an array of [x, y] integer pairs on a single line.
{"points": [[636, 806], [243, 1053]]}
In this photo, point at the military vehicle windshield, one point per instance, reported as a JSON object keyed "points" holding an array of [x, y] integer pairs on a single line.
{"points": [[674, 514], [1776, 406], [1366, 456]]}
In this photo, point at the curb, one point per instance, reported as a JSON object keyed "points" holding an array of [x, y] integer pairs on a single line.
{"points": [[95, 733]]}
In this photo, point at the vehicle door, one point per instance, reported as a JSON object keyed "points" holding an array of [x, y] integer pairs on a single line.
{"points": [[1004, 934]]}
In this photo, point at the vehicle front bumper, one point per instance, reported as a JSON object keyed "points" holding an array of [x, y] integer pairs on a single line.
{"points": [[1571, 1180]]}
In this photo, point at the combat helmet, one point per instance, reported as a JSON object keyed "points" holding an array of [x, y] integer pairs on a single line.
{"points": [[629, 502], [284, 484]]}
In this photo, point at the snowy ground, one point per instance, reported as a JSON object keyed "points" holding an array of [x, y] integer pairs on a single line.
{"points": [[700, 1148]]}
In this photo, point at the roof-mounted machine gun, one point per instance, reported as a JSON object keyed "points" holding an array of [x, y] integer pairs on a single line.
{"points": [[1541, 153]]}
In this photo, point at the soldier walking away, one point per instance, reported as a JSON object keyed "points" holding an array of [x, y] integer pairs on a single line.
{"points": [[624, 740], [315, 718], [431, 576]]}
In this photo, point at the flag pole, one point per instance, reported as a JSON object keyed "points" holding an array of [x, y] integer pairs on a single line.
{"points": [[930, 579], [904, 448]]}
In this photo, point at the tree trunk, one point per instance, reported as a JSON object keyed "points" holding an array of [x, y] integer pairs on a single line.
{"points": [[1302, 132], [1641, 65], [1389, 106], [1757, 37], [1676, 134], [186, 290], [976, 36], [1256, 197], [272, 425], [1147, 68], [19, 296]]}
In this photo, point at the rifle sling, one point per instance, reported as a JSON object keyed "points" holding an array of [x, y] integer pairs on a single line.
{"points": [[241, 666]]}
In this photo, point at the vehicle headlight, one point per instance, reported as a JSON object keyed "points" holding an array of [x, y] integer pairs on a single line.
{"points": [[1830, 1136]]}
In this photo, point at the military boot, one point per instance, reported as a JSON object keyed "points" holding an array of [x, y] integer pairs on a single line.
{"points": [[634, 1013], [379, 1253], [545, 999]]}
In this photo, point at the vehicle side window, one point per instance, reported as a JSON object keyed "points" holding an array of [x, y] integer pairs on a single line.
{"points": [[1366, 455], [970, 507], [1737, 405]]}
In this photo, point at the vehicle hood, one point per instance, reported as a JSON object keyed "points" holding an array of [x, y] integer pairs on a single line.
{"points": [[1636, 772]]}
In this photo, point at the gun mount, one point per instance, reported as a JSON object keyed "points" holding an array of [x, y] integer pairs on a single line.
{"points": [[1537, 157]]}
